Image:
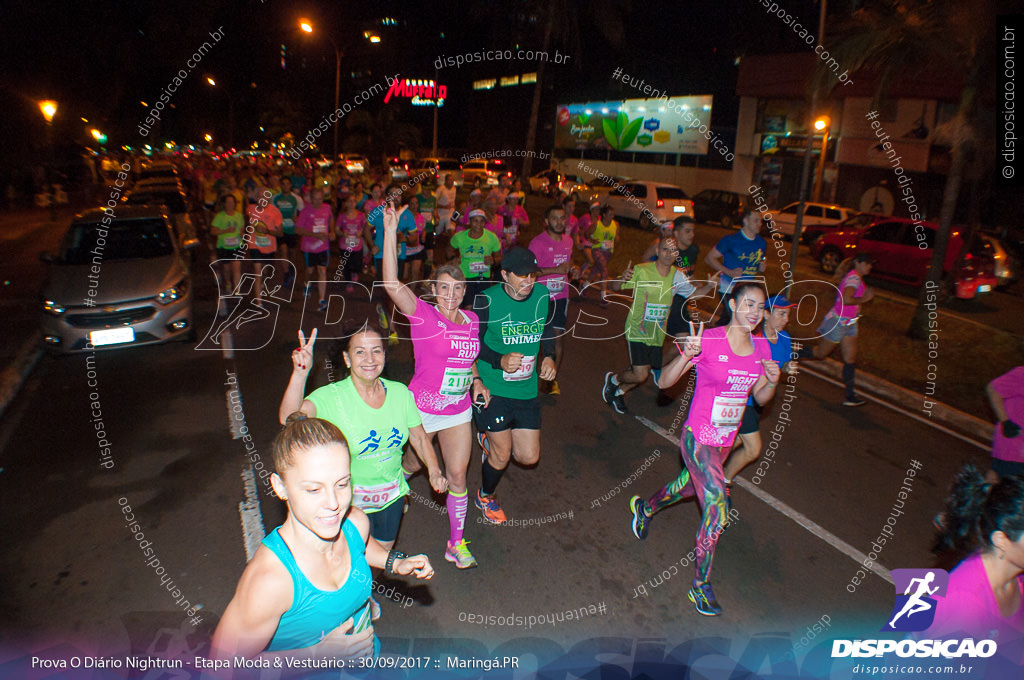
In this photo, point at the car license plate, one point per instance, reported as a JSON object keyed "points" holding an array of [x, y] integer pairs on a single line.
{"points": [[112, 336], [984, 288], [679, 208]]}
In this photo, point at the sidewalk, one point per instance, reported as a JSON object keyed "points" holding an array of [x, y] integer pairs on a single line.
{"points": [[918, 405]]}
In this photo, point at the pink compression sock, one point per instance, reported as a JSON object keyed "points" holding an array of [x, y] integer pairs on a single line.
{"points": [[457, 505]]}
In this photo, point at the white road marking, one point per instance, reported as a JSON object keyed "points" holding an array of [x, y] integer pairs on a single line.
{"points": [[798, 517], [253, 529]]}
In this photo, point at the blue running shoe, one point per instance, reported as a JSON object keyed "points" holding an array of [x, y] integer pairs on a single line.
{"points": [[640, 519], [703, 598]]}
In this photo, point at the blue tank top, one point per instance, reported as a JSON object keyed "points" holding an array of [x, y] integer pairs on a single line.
{"points": [[315, 612]]}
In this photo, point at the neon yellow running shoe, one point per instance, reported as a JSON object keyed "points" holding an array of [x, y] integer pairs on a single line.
{"points": [[459, 554]]}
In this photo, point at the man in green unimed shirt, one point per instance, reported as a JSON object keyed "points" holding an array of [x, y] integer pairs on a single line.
{"points": [[515, 326]]}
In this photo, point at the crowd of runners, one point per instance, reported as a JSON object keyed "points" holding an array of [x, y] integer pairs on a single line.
{"points": [[487, 333]]}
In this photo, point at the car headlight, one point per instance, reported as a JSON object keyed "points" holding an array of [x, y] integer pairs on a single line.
{"points": [[174, 293], [52, 307]]}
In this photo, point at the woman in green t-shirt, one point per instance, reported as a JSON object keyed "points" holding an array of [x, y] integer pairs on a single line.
{"points": [[604, 233], [377, 417], [227, 226]]}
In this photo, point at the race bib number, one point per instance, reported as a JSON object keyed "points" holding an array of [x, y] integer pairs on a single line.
{"points": [[456, 381], [607, 245], [263, 241], [231, 241], [361, 621], [374, 497], [524, 372], [511, 231], [351, 242], [655, 313], [319, 227], [555, 285], [479, 267], [288, 222], [727, 411]]}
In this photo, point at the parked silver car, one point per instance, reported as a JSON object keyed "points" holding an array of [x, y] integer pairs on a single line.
{"points": [[176, 204], [117, 281]]}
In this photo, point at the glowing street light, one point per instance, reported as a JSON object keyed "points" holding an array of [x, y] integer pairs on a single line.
{"points": [[305, 25], [821, 125], [48, 108], [208, 137], [231, 108]]}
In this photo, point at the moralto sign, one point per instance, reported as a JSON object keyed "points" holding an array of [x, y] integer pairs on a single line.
{"points": [[421, 92]]}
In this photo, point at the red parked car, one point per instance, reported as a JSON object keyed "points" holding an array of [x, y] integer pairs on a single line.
{"points": [[894, 243]]}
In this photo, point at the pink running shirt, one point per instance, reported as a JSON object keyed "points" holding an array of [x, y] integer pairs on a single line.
{"points": [[350, 232], [551, 253], [1010, 386], [724, 381], [319, 222], [851, 280], [444, 354], [970, 609]]}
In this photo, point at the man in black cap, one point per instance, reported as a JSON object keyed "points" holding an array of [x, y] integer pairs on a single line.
{"points": [[513, 330]]}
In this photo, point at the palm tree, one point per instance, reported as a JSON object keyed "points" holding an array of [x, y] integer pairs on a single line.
{"points": [[907, 38], [561, 20]]}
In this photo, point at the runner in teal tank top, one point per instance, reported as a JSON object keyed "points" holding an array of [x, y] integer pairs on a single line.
{"points": [[303, 600]]}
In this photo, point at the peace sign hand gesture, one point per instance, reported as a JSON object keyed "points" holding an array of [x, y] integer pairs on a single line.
{"points": [[691, 343], [302, 358]]}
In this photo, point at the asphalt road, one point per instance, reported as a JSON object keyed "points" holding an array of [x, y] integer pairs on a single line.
{"points": [[73, 573], [74, 577]]}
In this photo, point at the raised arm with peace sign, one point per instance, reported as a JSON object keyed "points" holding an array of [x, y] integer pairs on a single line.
{"points": [[302, 363]]}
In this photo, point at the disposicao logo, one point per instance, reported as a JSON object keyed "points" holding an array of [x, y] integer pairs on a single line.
{"points": [[914, 610]]}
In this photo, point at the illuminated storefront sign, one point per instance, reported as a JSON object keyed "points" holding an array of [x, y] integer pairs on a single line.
{"points": [[421, 92]]}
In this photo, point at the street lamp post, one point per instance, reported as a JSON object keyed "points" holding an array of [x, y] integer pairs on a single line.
{"points": [[48, 108], [798, 228], [231, 111], [307, 27], [822, 125]]}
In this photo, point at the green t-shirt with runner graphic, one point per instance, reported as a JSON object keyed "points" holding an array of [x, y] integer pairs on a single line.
{"points": [[652, 300], [375, 437], [473, 251]]}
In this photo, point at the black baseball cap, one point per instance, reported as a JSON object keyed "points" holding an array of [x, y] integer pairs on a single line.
{"points": [[520, 262]]}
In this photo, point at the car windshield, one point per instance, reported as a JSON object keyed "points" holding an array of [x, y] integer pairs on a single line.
{"points": [[174, 202], [671, 193], [448, 165], [125, 240]]}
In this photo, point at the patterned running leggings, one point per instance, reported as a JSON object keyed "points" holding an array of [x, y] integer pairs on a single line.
{"points": [[702, 469]]}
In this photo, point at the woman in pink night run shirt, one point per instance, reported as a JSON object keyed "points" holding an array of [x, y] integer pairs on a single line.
{"points": [[446, 342], [514, 217], [985, 595], [732, 365]]}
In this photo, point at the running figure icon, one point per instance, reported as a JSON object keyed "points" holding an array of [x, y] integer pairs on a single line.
{"points": [[916, 604]]}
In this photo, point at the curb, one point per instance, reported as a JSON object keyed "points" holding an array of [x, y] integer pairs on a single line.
{"points": [[12, 378], [911, 401]]}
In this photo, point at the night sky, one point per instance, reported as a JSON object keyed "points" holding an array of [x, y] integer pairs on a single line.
{"points": [[100, 59]]}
